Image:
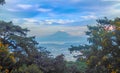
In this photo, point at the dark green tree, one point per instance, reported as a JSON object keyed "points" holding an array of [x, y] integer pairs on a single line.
{"points": [[59, 64], [84, 49], [76, 67], [104, 48], [2, 2], [27, 69], [27, 52], [16, 39], [104, 39], [25, 48], [7, 59]]}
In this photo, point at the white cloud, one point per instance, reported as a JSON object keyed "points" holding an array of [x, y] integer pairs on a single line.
{"points": [[111, 11], [22, 7], [44, 30], [59, 21], [43, 10], [12, 2], [47, 21], [89, 17], [39, 27], [25, 6], [13, 10], [30, 20]]}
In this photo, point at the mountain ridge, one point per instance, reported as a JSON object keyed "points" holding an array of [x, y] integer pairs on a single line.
{"points": [[60, 36]]}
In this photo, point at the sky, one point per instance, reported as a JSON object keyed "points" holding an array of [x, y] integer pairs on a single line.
{"points": [[45, 17]]}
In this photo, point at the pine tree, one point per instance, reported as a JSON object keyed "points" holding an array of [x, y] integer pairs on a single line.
{"points": [[105, 47], [7, 59], [2, 2]]}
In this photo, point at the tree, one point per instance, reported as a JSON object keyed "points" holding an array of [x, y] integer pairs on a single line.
{"points": [[25, 49], [52, 65], [2, 2], [105, 41], [7, 59], [103, 49], [59, 64], [84, 49], [27, 69], [17, 40], [76, 67]]}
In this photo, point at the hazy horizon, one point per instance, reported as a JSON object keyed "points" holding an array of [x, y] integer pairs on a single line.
{"points": [[46, 17]]}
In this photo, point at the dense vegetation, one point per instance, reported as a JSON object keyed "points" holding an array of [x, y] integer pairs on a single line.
{"points": [[102, 54], [20, 53]]}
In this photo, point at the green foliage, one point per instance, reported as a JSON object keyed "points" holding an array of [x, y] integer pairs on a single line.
{"points": [[52, 65], [2, 2], [7, 59], [76, 67], [78, 48], [16, 37], [105, 40], [84, 49], [27, 69], [27, 52], [59, 64], [24, 48], [103, 51]]}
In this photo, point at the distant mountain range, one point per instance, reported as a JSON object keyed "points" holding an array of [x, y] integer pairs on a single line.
{"points": [[59, 42], [61, 36]]}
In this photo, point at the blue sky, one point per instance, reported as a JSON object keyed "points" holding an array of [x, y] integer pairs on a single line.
{"points": [[44, 17]]}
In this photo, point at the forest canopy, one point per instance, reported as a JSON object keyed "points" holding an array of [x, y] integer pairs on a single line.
{"points": [[102, 54]]}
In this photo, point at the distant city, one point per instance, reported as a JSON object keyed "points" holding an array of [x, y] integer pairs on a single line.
{"points": [[59, 42]]}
